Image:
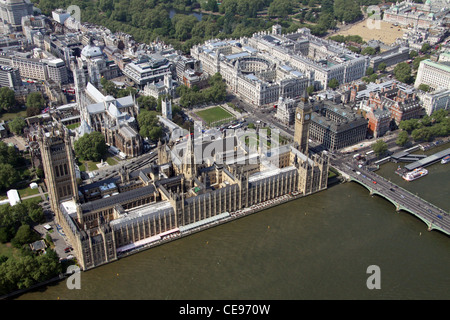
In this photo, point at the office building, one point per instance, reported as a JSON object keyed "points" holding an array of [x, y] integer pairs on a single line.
{"points": [[436, 74]]}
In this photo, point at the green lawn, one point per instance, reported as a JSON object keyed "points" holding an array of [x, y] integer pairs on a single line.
{"points": [[214, 114], [33, 200], [92, 166], [73, 125], [82, 167], [6, 249], [9, 116], [22, 192], [27, 192], [111, 161]]}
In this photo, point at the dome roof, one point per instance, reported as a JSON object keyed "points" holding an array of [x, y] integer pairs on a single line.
{"points": [[91, 51]]}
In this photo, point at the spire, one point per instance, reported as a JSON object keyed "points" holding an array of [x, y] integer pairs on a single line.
{"points": [[304, 101], [305, 96]]}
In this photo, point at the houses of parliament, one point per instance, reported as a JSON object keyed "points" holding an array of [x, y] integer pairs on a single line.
{"points": [[183, 190]]}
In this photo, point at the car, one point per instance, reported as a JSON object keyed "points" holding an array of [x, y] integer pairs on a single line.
{"points": [[374, 182], [66, 250]]}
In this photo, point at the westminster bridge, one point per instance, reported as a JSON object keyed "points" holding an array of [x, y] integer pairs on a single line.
{"points": [[434, 217]]}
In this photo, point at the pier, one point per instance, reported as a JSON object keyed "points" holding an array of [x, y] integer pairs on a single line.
{"points": [[405, 156], [428, 160]]}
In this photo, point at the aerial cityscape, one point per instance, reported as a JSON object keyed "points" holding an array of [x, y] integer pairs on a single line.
{"points": [[202, 134]]}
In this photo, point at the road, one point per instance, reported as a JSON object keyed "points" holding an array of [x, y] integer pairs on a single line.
{"points": [[265, 115]]}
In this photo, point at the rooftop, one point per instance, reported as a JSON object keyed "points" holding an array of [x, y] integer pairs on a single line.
{"points": [[120, 198]]}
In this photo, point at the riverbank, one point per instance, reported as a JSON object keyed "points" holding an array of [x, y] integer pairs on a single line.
{"points": [[179, 235], [315, 248]]}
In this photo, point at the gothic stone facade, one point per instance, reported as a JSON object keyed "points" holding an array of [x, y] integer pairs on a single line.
{"points": [[141, 206]]}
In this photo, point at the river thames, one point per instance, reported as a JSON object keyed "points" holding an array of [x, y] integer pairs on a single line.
{"points": [[317, 247]]}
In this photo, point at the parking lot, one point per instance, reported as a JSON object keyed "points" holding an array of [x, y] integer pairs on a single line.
{"points": [[59, 239]]}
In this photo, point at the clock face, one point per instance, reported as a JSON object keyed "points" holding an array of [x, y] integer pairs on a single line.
{"points": [[299, 116], [307, 117]]}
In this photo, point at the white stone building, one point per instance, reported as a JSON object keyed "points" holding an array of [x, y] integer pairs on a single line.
{"points": [[267, 66], [434, 74], [433, 101]]}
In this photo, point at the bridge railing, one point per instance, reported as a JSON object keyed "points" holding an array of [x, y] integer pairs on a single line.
{"points": [[378, 177], [409, 192]]}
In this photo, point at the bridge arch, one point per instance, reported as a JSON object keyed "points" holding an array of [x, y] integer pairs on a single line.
{"points": [[397, 206]]}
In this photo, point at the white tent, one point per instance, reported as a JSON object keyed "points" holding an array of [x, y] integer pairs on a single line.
{"points": [[13, 197]]}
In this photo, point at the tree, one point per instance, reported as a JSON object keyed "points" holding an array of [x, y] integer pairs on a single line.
{"points": [[210, 5], [7, 99], [424, 87], [126, 92], [354, 49], [10, 155], [418, 60], [147, 102], [327, 20], [379, 147], [347, 10], [35, 103], [409, 125], [426, 121], [91, 146], [413, 54], [327, 7], [402, 138], [369, 71], [425, 47], [280, 8], [23, 236], [8, 176], [310, 90], [149, 125], [440, 115], [382, 66], [183, 26], [372, 78], [333, 83], [402, 72], [422, 134], [368, 51], [17, 124], [35, 211], [109, 87]]}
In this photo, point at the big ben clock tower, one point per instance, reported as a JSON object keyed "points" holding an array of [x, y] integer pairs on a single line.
{"points": [[302, 121]]}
